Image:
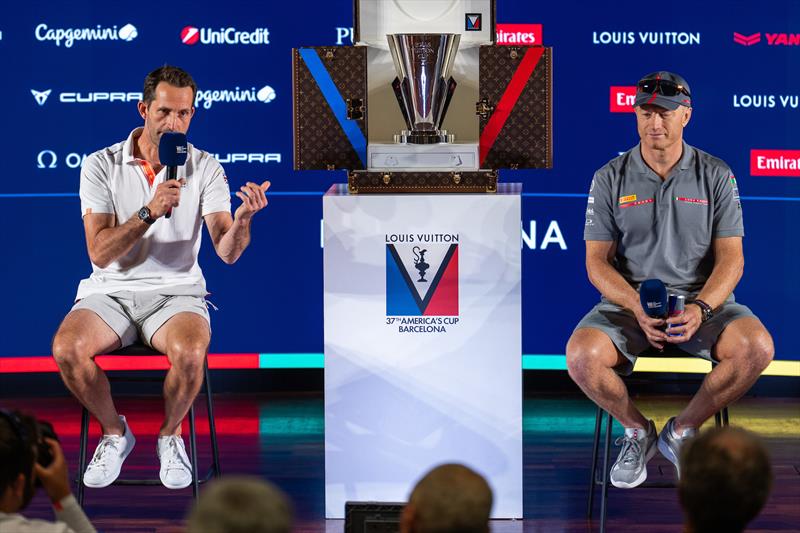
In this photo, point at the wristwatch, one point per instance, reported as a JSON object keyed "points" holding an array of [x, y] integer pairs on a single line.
{"points": [[705, 309], [144, 215]]}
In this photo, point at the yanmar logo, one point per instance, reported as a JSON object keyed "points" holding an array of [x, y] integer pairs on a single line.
{"points": [[784, 163], [519, 34], [622, 98], [191, 35], [746, 40], [773, 39]]}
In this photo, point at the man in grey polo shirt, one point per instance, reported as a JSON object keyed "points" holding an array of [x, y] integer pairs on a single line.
{"points": [[664, 210]]}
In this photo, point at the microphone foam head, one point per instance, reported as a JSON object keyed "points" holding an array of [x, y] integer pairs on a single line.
{"points": [[172, 149], [653, 295]]}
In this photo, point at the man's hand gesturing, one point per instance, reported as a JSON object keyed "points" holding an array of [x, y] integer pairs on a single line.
{"points": [[253, 200]]}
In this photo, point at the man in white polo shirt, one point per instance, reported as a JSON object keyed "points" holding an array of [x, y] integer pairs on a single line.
{"points": [[146, 284]]}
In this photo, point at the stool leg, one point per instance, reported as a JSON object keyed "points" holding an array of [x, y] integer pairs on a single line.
{"points": [[718, 419], [82, 452], [598, 419], [212, 426], [193, 446], [725, 421], [604, 493]]}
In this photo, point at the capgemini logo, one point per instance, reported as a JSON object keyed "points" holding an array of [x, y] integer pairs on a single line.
{"points": [[266, 94], [128, 32]]}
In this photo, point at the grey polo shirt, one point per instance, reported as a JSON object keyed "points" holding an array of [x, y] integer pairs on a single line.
{"points": [[664, 229]]}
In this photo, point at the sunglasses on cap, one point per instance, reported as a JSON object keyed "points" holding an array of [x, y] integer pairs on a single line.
{"points": [[664, 87]]}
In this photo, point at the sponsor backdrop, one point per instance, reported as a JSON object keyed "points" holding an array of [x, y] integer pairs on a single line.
{"points": [[74, 71]]}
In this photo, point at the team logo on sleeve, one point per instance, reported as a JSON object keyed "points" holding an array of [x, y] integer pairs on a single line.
{"points": [[422, 278]]}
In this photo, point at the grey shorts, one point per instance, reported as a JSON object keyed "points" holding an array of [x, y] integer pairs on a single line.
{"points": [[136, 316], [623, 329]]}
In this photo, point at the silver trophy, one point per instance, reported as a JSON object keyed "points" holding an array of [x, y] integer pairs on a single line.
{"points": [[423, 85]]}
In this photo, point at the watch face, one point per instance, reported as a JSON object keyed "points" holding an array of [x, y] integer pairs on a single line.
{"points": [[144, 215]]}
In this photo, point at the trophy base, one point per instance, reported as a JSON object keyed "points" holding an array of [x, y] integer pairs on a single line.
{"points": [[438, 157], [424, 137]]}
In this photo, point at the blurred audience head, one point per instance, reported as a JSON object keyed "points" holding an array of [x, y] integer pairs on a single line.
{"points": [[238, 504], [725, 480], [451, 498], [18, 435]]}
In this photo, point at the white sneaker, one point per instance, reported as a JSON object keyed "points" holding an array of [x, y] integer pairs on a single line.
{"points": [[176, 470], [108, 457]]}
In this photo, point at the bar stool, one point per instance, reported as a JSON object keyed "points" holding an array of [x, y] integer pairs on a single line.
{"points": [[140, 350], [599, 476]]}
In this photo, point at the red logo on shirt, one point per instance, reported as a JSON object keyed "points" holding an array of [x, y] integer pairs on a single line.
{"points": [[637, 203], [698, 201]]}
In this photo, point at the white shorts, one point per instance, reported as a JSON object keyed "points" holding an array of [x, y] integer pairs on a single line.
{"points": [[136, 316]]}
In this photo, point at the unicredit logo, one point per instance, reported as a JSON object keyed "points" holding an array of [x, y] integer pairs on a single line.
{"points": [[622, 98], [191, 35], [775, 163], [773, 39], [519, 34], [68, 36]]}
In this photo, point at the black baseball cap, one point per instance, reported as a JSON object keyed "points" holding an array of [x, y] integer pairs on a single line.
{"points": [[664, 89]]}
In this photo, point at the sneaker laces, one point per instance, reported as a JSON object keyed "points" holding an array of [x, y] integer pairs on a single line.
{"points": [[631, 449], [173, 452], [108, 444]]}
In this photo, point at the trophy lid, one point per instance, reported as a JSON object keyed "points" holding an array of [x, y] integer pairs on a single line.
{"points": [[474, 20]]}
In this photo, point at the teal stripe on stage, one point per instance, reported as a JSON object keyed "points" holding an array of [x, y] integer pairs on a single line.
{"points": [[291, 360], [317, 360], [544, 362]]}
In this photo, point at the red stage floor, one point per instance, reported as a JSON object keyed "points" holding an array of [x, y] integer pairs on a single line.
{"points": [[281, 438]]}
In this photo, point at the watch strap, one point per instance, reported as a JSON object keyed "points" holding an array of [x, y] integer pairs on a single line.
{"points": [[706, 310]]}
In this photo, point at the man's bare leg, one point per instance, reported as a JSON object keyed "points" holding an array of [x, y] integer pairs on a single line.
{"points": [[81, 336], [744, 350], [184, 338], [591, 358]]}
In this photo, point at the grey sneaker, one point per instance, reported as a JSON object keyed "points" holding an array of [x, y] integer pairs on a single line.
{"points": [[638, 447], [669, 443]]}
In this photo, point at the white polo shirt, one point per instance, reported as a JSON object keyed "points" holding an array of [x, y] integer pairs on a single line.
{"points": [[165, 258]]}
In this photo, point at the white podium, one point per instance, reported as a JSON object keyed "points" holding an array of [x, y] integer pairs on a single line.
{"points": [[423, 342]]}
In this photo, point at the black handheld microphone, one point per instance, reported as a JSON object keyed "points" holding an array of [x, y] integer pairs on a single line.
{"points": [[653, 295], [172, 154]]}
